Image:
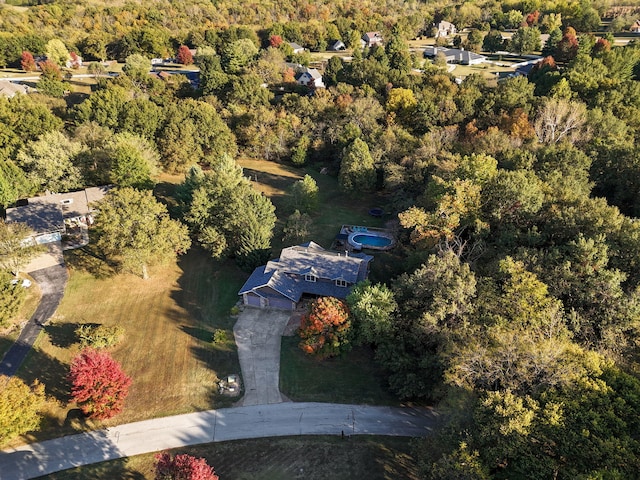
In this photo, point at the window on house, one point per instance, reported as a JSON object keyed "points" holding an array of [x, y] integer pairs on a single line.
{"points": [[310, 278], [341, 283]]}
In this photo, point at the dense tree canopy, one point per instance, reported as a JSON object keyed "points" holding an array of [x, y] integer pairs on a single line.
{"points": [[135, 229], [21, 407]]}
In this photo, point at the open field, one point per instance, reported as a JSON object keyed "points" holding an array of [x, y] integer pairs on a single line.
{"points": [[309, 458], [169, 322], [352, 378]]}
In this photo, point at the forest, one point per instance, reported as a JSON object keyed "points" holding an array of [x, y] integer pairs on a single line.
{"points": [[512, 302]]}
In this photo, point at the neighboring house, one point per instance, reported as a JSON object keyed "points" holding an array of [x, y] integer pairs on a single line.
{"points": [[336, 46], [635, 28], [371, 39], [310, 77], [445, 29], [296, 48], [306, 269], [455, 55], [74, 62], [10, 90], [49, 216]]}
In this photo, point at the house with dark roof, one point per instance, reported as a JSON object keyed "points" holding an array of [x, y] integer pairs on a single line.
{"points": [[455, 55], [336, 46], [306, 269], [49, 215]]}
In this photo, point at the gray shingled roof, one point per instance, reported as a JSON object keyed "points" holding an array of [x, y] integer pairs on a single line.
{"points": [[40, 217], [286, 274]]}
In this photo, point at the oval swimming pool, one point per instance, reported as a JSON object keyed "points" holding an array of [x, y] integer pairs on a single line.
{"points": [[371, 240]]}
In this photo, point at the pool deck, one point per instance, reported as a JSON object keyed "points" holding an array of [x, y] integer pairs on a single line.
{"points": [[352, 230]]}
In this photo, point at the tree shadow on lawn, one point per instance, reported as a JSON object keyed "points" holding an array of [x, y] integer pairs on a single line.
{"points": [[62, 335], [49, 371], [89, 260], [201, 334]]}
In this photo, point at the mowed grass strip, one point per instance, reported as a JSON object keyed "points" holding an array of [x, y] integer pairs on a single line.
{"points": [[351, 378], [307, 457], [169, 322]]}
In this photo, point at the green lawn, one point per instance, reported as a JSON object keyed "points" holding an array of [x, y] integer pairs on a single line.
{"points": [[11, 332], [309, 458], [169, 322], [352, 378]]}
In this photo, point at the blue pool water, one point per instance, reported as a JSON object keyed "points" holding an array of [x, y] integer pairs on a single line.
{"points": [[372, 240]]}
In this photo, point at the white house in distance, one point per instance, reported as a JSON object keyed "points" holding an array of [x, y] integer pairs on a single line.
{"points": [[310, 77], [455, 55], [297, 49], [371, 39], [635, 28], [10, 89], [445, 29]]}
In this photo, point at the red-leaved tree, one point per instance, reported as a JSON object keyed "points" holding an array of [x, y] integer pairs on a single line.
{"points": [[326, 330], [183, 467], [98, 384], [184, 55], [27, 62], [275, 41]]}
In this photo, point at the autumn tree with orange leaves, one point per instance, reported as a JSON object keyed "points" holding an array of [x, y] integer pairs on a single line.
{"points": [[326, 330]]}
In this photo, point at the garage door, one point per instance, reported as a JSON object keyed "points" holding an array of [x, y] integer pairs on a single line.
{"points": [[251, 299], [284, 303]]}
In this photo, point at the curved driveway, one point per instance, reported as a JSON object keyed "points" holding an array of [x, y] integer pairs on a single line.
{"points": [[257, 421], [52, 282]]}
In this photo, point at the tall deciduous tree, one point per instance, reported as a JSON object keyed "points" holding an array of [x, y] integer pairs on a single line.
{"points": [[136, 230], [183, 467], [49, 162], [27, 62], [227, 216], [326, 330], [304, 194], [184, 55], [98, 384], [14, 254], [357, 169], [372, 307], [20, 407], [134, 161], [12, 297], [57, 52], [13, 183]]}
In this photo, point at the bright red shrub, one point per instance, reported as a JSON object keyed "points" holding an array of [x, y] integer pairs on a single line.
{"points": [[99, 385], [183, 467], [27, 62]]}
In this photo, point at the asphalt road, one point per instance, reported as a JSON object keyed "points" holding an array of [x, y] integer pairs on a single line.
{"points": [[52, 282], [256, 421]]}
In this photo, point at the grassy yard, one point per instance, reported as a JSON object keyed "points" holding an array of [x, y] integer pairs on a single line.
{"points": [[353, 378], [11, 332], [309, 458], [335, 207], [169, 322]]}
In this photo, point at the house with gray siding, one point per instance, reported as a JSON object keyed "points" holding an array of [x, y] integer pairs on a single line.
{"points": [[306, 269]]}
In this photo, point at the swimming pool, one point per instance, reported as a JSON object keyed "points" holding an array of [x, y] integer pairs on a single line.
{"points": [[369, 240]]}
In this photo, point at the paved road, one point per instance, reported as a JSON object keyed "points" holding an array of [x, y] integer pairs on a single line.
{"points": [[52, 282], [258, 334], [30, 461]]}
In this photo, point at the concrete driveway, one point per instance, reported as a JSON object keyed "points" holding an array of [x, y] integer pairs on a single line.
{"points": [[52, 282], [258, 334], [36, 459]]}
